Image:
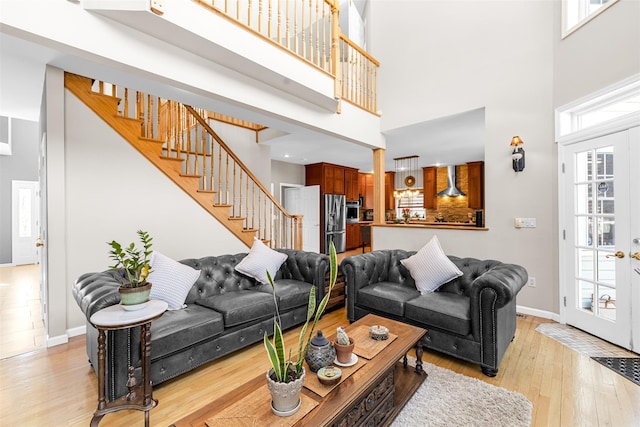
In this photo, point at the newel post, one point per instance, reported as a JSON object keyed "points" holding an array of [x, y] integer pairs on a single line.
{"points": [[297, 232]]}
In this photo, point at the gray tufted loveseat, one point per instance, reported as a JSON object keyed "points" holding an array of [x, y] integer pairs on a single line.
{"points": [[472, 317], [225, 311]]}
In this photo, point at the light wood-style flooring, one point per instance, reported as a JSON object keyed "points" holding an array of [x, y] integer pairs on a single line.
{"points": [[57, 387], [21, 324]]}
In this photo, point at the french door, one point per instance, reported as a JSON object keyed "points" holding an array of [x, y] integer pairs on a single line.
{"points": [[600, 251]]}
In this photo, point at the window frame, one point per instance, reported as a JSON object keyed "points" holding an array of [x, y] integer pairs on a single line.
{"points": [[581, 5]]}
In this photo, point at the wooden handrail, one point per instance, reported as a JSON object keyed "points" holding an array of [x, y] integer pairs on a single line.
{"points": [[235, 158], [361, 51], [195, 157]]}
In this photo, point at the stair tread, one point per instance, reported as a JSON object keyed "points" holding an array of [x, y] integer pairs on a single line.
{"points": [[175, 159]]}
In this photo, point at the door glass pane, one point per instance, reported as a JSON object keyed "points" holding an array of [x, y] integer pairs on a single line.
{"points": [[584, 231], [24, 212], [583, 199], [585, 301], [606, 268], [607, 302], [585, 264], [606, 232]]}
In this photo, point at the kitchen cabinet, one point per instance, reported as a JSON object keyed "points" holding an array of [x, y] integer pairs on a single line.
{"points": [[333, 179], [353, 236], [366, 190], [351, 184], [389, 188], [430, 187], [475, 196]]}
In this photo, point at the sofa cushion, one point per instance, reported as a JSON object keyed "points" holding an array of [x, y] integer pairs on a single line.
{"points": [[170, 280], [386, 297], [290, 293], [259, 260], [441, 310], [430, 267], [177, 330], [241, 306]]}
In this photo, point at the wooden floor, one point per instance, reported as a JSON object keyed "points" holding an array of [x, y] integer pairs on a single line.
{"points": [[21, 324], [57, 387]]}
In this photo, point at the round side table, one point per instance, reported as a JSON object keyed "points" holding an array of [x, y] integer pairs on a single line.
{"points": [[139, 396]]}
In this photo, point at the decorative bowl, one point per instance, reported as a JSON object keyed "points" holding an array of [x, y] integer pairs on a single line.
{"points": [[329, 375], [378, 333]]}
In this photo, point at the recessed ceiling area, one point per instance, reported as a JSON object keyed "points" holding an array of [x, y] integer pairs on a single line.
{"points": [[450, 140]]}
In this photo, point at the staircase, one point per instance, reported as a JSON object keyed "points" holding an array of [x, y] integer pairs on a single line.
{"points": [[179, 140]]}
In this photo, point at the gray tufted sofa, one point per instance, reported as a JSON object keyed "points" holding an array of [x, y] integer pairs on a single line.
{"points": [[225, 311], [472, 317]]}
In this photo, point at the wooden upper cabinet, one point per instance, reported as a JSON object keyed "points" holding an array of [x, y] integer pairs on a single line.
{"points": [[330, 178], [430, 184], [475, 197], [389, 187], [362, 184], [368, 191], [351, 184]]}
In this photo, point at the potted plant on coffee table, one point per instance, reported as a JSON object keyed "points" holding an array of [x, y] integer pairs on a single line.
{"points": [[134, 267], [285, 378]]}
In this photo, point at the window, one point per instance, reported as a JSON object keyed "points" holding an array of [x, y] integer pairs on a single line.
{"points": [[612, 103], [576, 13]]}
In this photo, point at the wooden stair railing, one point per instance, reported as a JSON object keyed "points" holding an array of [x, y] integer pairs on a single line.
{"points": [[179, 140]]}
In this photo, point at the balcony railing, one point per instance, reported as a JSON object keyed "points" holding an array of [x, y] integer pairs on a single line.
{"points": [[309, 29]]}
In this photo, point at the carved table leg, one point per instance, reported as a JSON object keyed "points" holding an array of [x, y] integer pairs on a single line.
{"points": [[419, 369], [146, 368], [102, 400], [405, 362]]}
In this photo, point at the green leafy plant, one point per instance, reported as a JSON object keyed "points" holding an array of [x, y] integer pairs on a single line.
{"points": [[133, 261], [285, 368]]}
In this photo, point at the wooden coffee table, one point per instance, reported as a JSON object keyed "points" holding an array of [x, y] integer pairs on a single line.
{"points": [[372, 395]]}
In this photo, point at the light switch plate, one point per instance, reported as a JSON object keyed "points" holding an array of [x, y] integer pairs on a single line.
{"points": [[525, 223]]}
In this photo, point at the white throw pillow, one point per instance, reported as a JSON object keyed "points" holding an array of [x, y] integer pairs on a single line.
{"points": [[430, 267], [260, 259], [170, 280]]}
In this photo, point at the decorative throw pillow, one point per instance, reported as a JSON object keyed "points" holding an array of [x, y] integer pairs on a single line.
{"points": [[430, 267], [170, 280], [260, 259]]}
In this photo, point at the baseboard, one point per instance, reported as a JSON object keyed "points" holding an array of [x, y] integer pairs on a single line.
{"points": [[538, 313], [80, 330], [7, 265], [57, 340]]}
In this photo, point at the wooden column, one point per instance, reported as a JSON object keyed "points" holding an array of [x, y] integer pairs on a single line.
{"points": [[378, 186]]}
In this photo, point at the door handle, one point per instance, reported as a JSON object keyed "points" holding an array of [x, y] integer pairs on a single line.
{"points": [[635, 255], [39, 243], [618, 254]]}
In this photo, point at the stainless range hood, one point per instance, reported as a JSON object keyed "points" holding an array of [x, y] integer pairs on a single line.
{"points": [[451, 190]]}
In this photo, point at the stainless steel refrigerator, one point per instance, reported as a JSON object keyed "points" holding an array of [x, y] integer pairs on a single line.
{"points": [[335, 222]]}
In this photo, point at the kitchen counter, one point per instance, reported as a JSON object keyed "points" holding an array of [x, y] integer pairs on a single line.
{"points": [[425, 224]]}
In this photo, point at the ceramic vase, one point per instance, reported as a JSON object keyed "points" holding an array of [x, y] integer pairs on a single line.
{"points": [[285, 397], [344, 352], [134, 297], [320, 353]]}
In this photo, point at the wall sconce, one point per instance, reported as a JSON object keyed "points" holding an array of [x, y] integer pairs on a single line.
{"points": [[517, 156]]}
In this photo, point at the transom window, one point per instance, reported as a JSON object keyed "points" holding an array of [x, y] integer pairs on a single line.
{"points": [[576, 13]]}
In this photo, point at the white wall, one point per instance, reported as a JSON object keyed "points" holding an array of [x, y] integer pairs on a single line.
{"points": [[445, 57], [604, 51], [285, 173], [110, 192]]}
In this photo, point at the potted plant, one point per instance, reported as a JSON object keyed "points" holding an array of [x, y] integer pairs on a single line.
{"points": [[343, 345], [285, 378], [133, 265]]}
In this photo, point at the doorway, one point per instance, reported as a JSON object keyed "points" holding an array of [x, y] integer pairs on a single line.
{"points": [[600, 246]]}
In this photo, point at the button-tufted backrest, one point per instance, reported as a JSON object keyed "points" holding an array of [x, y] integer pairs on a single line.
{"points": [[217, 276], [472, 269]]}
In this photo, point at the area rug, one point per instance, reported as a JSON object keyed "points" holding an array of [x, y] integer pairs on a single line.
{"points": [[628, 367], [580, 341], [448, 399]]}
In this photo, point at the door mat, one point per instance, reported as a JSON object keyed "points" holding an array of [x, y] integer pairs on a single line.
{"points": [[580, 341], [628, 367]]}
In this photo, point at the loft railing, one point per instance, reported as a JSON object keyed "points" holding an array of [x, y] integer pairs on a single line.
{"points": [[309, 29], [187, 137]]}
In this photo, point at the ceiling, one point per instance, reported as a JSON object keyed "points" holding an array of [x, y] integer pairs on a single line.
{"points": [[453, 139]]}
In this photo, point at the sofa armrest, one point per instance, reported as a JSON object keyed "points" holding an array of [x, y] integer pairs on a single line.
{"points": [[309, 267], [504, 280], [95, 291]]}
